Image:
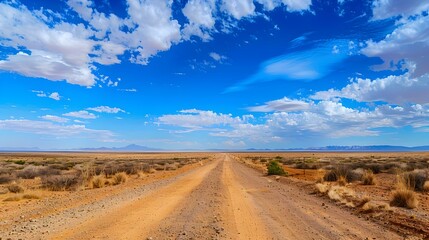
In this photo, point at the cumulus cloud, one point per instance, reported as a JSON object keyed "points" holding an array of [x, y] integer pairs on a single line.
{"points": [[409, 42], [194, 119], [281, 105], [393, 89], [80, 114], [55, 118], [55, 96], [106, 109], [56, 130], [51, 52], [238, 8], [200, 15], [390, 8], [319, 120]]}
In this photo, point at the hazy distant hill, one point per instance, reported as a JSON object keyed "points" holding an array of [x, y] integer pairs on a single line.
{"points": [[128, 148], [375, 148]]}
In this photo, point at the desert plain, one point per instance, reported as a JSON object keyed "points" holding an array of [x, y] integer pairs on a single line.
{"points": [[332, 195]]}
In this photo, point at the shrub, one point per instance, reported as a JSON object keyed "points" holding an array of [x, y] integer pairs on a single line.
{"points": [[98, 181], [404, 198], [119, 178], [15, 188], [342, 171], [31, 171], [6, 178], [368, 178], [414, 180], [61, 182], [375, 168], [274, 168]]}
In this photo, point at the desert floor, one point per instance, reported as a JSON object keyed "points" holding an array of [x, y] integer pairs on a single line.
{"points": [[218, 198]]}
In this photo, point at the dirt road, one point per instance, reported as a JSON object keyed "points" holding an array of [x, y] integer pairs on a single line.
{"points": [[223, 199]]}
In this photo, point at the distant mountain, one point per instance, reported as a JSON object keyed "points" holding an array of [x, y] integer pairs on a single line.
{"points": [[128, 148], [374, 148], [19, 149]]}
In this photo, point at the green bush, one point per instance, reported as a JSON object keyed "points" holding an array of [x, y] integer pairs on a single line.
{"points": [[274, 168]]}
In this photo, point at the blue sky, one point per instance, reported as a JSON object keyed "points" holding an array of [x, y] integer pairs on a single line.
{"points": [[204, 74]]}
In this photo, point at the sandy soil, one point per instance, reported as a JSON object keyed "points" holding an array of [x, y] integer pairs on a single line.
{"points": [[222, 199]]}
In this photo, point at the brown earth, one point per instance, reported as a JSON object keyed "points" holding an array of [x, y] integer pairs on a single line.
{"points": [[220, 199]]}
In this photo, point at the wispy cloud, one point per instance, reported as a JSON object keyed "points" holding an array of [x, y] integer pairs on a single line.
{"points": [[106, 109], [310, 64], [80, 114], [56, 130]]}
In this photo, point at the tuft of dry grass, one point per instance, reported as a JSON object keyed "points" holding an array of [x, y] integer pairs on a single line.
{"points": [[119, 178], [342, 181], [426, 186], [405, 198], [97, 181], [322, 188], [31, 196], [368, 178], [13, 199], [15, 188]]}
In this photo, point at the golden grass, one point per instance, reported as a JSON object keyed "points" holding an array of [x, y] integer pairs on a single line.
{"points": [[404, 198], [15, 188], [426, 186], [97, 181], [368, 178], [119, 178]]}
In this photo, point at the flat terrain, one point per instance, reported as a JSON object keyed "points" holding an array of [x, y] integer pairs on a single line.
{"points": [[218, 198]]}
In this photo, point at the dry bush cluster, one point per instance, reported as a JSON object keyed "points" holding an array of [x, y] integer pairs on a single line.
{"points": [[65, 172]]}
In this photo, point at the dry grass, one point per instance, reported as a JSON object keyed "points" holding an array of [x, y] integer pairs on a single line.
{"points": [[31, 196], [404, 198], [426, 186], [322, 188], [13, 199], [368, 178], [97, 181], [342, 181], [15, 188], [61, 182], [119, 178]]}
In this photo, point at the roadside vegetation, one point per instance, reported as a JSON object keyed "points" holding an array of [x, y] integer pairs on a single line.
{"points": [[23, 174]]}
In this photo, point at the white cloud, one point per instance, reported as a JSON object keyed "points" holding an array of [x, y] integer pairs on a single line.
{"points": [[292, 5], [51, 129], [281, 105], [106, 109], [55, 118], [55, 96], [392, 89], [200, 16], [238, 8], [217, 57], [325, 119], [53, 53], [80, 114], [194, 119], [39, 93], [128, 90], [409, 42], [390, 8]]}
